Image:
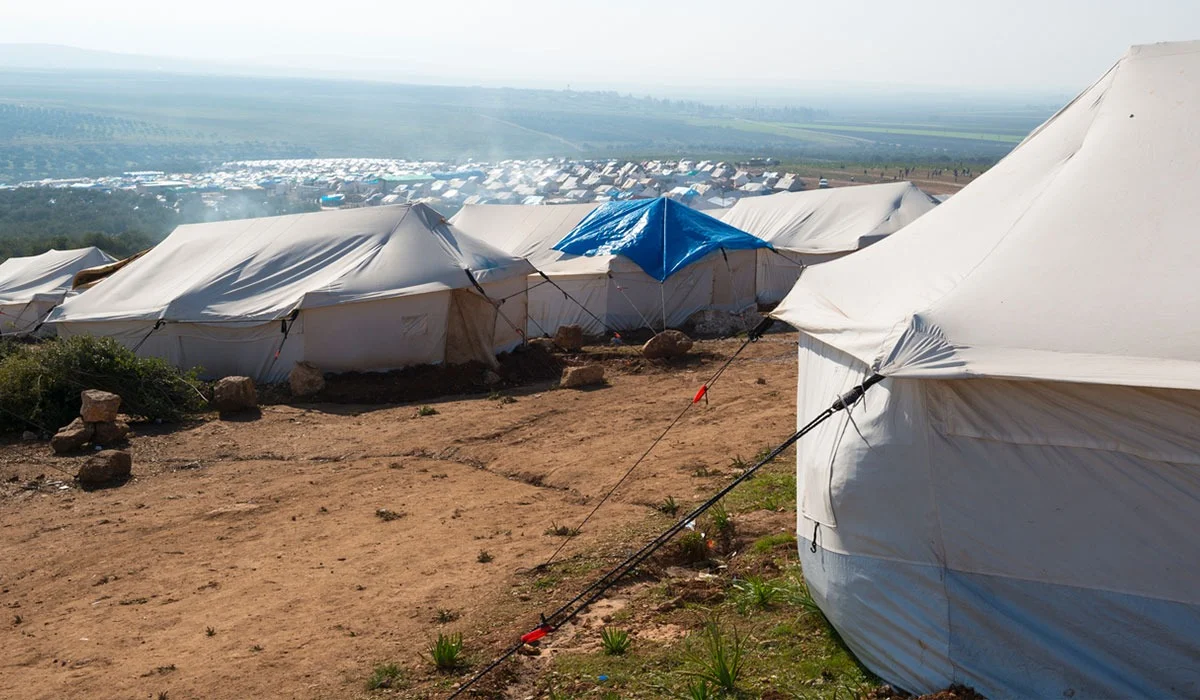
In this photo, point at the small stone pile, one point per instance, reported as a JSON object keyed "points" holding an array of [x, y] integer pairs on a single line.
{"points": [[98, 423]]}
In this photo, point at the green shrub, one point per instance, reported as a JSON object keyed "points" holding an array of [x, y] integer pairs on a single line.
{"points": [[41, 382]]}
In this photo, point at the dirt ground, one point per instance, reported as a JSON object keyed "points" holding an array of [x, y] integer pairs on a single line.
{"points": [[248, 558]]}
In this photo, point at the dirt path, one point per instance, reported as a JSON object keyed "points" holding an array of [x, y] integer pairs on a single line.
{"points": [[266, 531]]}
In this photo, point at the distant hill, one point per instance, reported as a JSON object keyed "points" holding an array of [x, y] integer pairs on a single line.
{"points": [[72, 112]]}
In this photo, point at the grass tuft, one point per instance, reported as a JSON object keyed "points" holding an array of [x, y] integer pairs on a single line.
{"points": [[700, 690], [425, 411], [446, 651], [756, 593], [668, 506], [616, 642], [717, 659], [561, 530], [692, 548], [484, 556], [768, 543], [384, 676]]}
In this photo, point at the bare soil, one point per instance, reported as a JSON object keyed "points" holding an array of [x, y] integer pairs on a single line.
{"points": [[248, 557]]}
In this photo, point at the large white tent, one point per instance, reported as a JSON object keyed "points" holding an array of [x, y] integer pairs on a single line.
{"points": [[812, 227], [30, 287], [358, 289], [1016, 506], [612, 287]]}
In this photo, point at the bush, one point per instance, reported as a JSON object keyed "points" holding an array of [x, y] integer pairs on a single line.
{"points": [[41, 382]]}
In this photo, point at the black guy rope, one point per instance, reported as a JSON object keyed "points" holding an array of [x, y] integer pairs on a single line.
{"points": [[157, 324], [495, 304], [586, 310], [751, 336], [571, 609]]}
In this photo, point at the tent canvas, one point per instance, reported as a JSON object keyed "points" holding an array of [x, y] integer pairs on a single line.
{"points": [[610, 286], [31, 286], [807, 228], [1015, 507], [359, 289]]}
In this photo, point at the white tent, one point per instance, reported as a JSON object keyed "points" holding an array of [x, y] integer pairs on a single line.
{"points": [[358, 289], [30, 287], [612, 287], [807, 228], [1016, 506]]}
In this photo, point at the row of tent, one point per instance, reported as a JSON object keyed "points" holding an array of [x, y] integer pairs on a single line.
{"points": [[386, 287]]}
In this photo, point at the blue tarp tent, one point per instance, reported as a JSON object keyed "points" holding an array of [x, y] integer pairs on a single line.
{"points": [[660, 235]]}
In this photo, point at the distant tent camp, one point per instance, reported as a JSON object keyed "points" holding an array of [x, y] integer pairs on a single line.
{"points": [[812, 227], [362, 289], [1016, 506], [30, 287], [622, 261]]}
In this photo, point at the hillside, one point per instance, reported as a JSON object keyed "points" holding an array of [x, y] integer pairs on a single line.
{"points": [[56, 123]]}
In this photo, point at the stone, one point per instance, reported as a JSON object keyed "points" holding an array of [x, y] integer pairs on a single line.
{"points": [[306, 379], [491, 378], [29, 436], [669, 343], [587, 375], [71, 437], [231, 394], [98, 406], [104, 467], [569, 337], [543, 344], [108, 432]]}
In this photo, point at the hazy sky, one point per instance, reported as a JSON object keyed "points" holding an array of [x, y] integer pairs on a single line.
{"points": [[1057, 45]]}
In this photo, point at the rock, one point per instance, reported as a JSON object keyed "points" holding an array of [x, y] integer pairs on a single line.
{"points": [[587, 375], [306, 379], [234, 394], [491, 378], [29, 436], [105, 466], [569, 337], [543, 344], [99, 406], [72, 437], [669, 343], [110, 432]]}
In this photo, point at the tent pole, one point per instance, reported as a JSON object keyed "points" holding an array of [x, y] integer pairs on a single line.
{"points": [[662, 292], [662, 284]]}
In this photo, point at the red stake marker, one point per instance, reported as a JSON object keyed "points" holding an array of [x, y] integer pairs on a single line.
{"points": [[700, 394]]}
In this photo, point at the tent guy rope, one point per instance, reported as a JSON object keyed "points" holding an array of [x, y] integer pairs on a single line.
{"points": [[568, 611]]}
